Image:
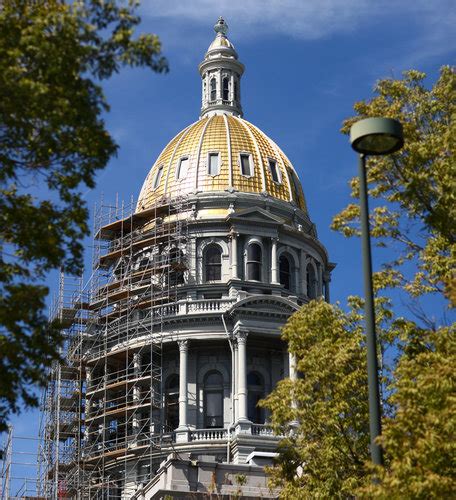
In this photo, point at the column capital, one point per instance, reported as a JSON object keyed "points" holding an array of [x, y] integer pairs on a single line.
{"points": [[183, 345], [241, 336]]}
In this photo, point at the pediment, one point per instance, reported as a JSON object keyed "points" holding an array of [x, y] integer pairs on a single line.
{"points": [[264, 305], [255, 214]]}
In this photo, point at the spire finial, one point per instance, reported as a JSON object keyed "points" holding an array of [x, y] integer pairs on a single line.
{"points": [[221, 26]]}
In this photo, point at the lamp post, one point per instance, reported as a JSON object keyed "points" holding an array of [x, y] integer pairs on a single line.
{"points": [[372, 136]]}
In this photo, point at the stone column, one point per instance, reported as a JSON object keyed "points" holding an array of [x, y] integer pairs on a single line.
{"points": [[136, 373], [319, 287], [233, 97], [326, 281], [88, 376], [219, 86], [135, 423], [234, 256], [243, 425], [274, 274], [292, 367], [293, 376], [183, 396], [235, 379], [303, 272]]}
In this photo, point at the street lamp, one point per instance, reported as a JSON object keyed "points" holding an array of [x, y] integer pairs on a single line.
{"points": [[372, 136]]}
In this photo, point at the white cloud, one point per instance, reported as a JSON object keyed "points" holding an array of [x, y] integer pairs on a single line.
{"points": [[306, 19]]}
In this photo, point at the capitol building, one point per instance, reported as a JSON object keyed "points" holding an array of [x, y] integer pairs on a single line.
{"points": [[176, 338]]}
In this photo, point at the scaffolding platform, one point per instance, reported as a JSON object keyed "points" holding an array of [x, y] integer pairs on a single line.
{"points": [[102, 408]]}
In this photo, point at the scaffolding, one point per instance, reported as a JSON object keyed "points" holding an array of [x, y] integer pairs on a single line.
{"points": [[103, 421], [18, 479]]}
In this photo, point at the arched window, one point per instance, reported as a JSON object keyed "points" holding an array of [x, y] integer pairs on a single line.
{"points": [[285, 272], [172, 403], [254, 262], [311, 282], [225, 89], [213, 400], [176, 267], [236, 91], [213, 263], [213, 89], [255, 388]]}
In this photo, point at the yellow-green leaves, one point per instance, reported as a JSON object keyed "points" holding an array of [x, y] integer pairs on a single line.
{"points": [[419, 437], [414, 211], [324, 457], [414, 190]]}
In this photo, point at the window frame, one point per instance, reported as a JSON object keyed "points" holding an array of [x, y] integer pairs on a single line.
{"points": [[218, 390], [289, 273], [157, 177], [219, 162], [251, 164], [311, 281], [257, 262], [212, 89], [259, 391], [225, 89], [277, 170], [179, 176], [172, 401], [205, 263]]}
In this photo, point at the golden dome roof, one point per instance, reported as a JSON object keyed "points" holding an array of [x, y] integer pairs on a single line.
{"points": [[221, 152]]}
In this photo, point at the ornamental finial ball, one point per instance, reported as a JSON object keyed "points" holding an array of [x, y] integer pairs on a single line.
{"points": [[221, 26]]}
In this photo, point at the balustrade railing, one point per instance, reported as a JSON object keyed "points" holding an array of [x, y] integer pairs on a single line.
{"points": [[209, 434], [262, 430], [205, 306]]}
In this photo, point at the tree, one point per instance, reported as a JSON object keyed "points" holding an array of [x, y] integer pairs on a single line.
{"points": [[53, 140], [418, 438], [416, 187], [414, 192], [325, 455]]}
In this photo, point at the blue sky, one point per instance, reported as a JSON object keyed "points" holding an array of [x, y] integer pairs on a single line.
{"points": [[306, 62]]}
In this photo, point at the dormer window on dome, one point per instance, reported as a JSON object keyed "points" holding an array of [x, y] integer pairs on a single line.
{"points": [[274, 170], [246, 164], [182, 168], [213, 163], [157, 178]]}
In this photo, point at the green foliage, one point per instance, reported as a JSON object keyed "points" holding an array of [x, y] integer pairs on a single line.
{"points": [[415, 188], [419, 437], [53, 141], [325, 455]]}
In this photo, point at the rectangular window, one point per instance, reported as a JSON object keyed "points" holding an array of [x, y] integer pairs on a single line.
{"points": [[274, 171], [182, 168], [246, 164], [158, 177], [213, 164]]}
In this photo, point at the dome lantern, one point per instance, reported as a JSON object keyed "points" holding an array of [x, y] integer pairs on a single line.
{"points": [[221, 74]]}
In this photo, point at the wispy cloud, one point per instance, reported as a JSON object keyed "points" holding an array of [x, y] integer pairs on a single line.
{"points": [[306, 19]]}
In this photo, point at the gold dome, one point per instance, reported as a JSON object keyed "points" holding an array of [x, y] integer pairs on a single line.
{"points": [[183, 166]]}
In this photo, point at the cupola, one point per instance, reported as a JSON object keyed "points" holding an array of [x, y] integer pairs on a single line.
{"points": [[221, 75]]}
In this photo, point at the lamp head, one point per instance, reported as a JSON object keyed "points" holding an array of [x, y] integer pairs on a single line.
{"points": [[376, 136]]}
